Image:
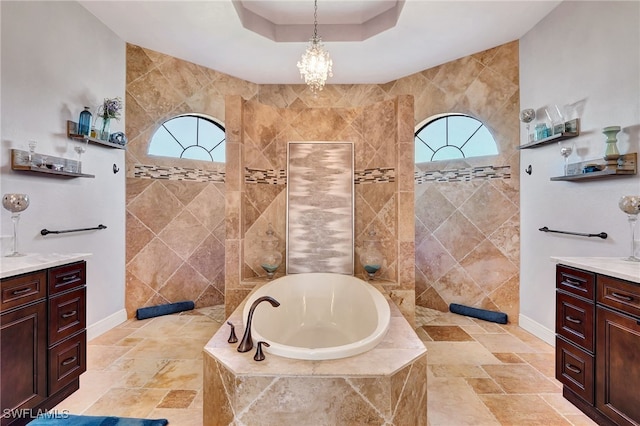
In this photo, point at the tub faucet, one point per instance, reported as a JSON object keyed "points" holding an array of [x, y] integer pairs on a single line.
{"points": [[247, 342]]}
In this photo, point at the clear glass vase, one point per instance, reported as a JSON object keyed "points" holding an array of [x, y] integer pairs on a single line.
{"points": [[103, 129], [371, 258], [271, 258], [630, 204]]}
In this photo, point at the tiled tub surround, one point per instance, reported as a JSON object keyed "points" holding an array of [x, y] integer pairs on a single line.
{"points": [[484, 85], [257, 137], [386, 385]]}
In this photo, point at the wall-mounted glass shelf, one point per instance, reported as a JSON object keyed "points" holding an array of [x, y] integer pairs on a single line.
{"points": [[574, 124], [72, 134], [24, 161], [627, 165]]}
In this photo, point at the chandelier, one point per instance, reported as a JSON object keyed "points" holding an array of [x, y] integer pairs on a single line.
{"points": [[315, 65]]}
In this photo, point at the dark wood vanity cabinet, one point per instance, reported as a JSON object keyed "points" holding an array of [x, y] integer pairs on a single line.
{"points": [[42, 340], [598, 344]]}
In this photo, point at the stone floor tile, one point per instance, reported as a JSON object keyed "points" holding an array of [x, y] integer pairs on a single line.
{"points": [[523, 410], [451, 401], [178, 398], [449, 333], [520, 379], [484, 385], [508, 358], [503, 343]]}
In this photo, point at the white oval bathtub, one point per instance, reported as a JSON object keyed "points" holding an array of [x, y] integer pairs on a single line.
{"points": [[321, 316]]}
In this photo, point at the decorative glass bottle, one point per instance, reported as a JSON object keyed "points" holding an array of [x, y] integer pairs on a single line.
{"points": [[371, 258], [271, 257], [84, 123]]}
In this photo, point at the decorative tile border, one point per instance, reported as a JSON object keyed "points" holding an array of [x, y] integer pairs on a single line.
{"points": [[377, 175], [271, 177], [279, 177], [176, 173], [464, 175]]}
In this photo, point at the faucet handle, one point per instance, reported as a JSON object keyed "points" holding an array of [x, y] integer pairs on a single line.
{"points": [[232, 337], [259, 356]]}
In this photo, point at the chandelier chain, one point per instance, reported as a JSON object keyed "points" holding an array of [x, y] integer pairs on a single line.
{"points": [[315, 19]]}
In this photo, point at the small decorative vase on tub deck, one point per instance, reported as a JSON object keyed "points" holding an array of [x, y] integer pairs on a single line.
{"points": [[611, 153]]}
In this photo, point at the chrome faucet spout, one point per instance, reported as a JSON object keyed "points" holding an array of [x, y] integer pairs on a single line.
{"points": [[247, 342]]}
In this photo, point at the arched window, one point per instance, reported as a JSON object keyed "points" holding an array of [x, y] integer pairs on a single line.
{"points": [[190, 136], [453, 136]]}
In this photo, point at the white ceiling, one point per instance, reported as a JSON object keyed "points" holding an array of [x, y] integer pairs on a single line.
{"points": [[427, 33]]}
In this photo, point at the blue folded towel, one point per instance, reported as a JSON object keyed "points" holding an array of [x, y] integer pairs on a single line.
{"points": [[170, 308], [483, 314], [63, 419]]}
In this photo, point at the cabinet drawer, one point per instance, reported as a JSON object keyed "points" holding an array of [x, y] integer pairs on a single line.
{"points": [[67, 360], [574, 368], [575, 281], [23, 289], [619, 294], [575, 320], [66, 277], [67, 314]]}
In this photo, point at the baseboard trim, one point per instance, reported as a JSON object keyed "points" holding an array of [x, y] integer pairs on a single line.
{"points": [[537, 329], [97, 328]]}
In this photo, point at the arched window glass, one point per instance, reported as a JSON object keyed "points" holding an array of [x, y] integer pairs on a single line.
{"points": [[191, 136], [453, 136]]}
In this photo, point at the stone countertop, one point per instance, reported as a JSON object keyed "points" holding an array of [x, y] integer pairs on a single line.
{"points": [[612, 266], [10, 266], [400, 346]]}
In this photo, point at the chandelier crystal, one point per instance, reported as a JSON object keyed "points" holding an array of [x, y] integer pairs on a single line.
{"points": [[315, 65]]}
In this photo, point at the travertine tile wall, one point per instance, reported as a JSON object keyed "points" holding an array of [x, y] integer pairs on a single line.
{"points": [[467, 232], [481, 272]]}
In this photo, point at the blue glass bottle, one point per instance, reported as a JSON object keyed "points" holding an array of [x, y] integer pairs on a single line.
{"points": [[84, 123]]}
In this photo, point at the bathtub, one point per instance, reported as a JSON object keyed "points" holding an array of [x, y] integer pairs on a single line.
{"points": [[321, 316]]}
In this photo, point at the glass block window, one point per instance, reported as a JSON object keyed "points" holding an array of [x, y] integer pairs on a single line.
{"points": [[189, 136], [451, 137]]}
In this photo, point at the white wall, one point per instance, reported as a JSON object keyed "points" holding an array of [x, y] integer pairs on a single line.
{"points": [[589, 53], [57, 58]]}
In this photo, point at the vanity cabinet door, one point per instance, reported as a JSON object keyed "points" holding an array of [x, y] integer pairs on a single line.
{"points": [[23, 357], [618, 366]]}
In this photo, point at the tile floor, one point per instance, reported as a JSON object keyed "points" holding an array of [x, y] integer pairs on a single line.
{"points": [[480, 373]]}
